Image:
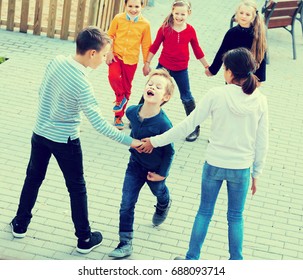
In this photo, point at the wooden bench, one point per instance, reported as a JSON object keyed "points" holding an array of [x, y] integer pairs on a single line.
{"points": [[283, 14]]}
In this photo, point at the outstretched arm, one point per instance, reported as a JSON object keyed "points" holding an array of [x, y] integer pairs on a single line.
{"points": [[182, 129], [204, 62]]}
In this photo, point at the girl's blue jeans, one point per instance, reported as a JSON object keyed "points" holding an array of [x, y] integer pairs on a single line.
{"points": [[182, 81], [237, 185]]}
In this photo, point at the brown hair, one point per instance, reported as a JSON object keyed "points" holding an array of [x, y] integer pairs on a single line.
{"points": [[242, 64], [91, 38], [259, 44]]}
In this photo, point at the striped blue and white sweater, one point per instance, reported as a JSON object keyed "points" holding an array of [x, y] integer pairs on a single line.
{"points": [[65, 92]]}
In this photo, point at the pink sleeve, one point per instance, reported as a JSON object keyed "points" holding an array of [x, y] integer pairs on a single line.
{"points": [[159, 39], [196, 46]]}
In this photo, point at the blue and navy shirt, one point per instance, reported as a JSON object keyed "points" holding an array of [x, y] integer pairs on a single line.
{"points": [[159, 161], [65, 92]]}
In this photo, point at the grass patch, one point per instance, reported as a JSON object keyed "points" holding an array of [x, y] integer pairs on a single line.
{"points": [[3, 59]]}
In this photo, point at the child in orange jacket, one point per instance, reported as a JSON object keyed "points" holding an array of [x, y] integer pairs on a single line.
{"points": [[129, 30]]}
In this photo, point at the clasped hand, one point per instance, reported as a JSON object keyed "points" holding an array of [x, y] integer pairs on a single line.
{"points": [[145, 146]]}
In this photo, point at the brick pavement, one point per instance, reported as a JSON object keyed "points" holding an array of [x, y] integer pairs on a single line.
{"points": [[273, 218]]}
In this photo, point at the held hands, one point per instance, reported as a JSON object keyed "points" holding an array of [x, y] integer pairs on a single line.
{"points": [[143, 146], [136, 144], [208, 73], [152, 176], [146, 146], [146, 69]]}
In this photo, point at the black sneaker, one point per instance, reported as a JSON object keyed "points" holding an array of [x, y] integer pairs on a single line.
{"points": [[85, 247], [18, 231], [161, 214]]}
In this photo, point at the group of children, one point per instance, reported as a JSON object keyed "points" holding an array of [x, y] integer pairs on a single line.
{"points": [[239, 131]]}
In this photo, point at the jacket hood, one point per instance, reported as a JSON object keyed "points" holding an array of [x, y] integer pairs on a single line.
{"points": [[240, 103]]}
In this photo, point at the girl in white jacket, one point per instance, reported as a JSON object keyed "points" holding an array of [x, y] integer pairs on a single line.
{"points": [[237, 146]]}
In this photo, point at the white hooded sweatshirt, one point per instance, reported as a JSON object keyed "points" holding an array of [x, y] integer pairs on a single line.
{"points": [[239, 130]]}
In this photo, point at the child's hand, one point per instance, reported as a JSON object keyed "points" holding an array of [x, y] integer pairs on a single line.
{"points": [[208, 73], [146, 69], [136, 144], [152, 176], [110, 58], [253, 186], [146, 146]]}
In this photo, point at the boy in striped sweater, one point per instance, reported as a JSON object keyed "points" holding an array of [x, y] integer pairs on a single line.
{"points": [[65, 92]]}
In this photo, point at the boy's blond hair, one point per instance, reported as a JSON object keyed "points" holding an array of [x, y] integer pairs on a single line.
{"points": [[169, 90]]}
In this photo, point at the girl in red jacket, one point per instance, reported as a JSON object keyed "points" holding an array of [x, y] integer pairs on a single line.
{"points": [[175, 35]]}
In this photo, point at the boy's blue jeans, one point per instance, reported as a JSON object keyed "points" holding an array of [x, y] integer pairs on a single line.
{"points": [[182, 81], [135, 178], [237, 185], [69, 158]]}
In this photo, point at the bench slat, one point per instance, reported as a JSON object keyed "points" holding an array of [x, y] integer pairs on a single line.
{"points": [[279, 22], [284, 12]]}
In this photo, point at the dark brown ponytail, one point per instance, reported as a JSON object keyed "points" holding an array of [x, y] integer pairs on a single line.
{"points": [[242, 64]]}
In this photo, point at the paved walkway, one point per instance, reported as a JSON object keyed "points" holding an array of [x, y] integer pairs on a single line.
{"points": [[273, 217]]}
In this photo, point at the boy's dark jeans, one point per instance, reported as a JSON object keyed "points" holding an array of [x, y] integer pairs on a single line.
{"points": [[69, 158], [135, 178]]}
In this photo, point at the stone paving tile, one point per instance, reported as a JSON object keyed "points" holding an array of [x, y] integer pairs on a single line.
{"points": [[273, 217]]}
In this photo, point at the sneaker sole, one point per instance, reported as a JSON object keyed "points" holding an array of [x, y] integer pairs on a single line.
{"points": [[86, 251], [155, 224], [15, 234], [119, 256], [159, 223], [119, 127]]}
